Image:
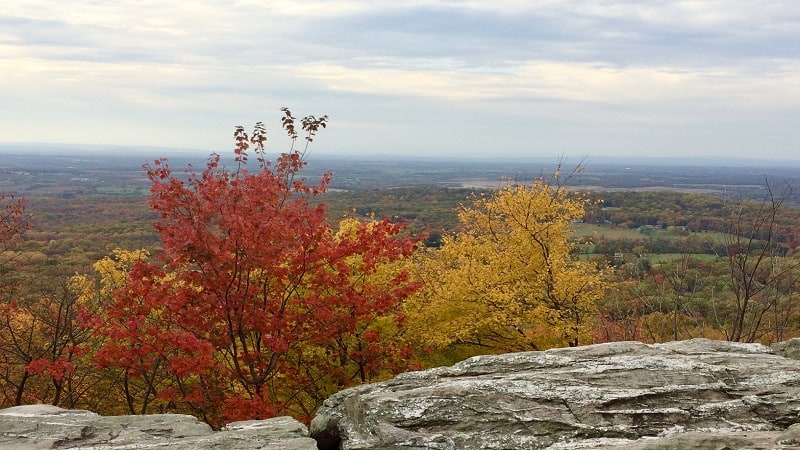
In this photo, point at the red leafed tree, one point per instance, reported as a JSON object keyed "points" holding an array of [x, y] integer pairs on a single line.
{"points": [[259, 307]]}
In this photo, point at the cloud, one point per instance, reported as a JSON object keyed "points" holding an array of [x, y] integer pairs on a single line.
{"points": [[579, 82], [155, 71]]}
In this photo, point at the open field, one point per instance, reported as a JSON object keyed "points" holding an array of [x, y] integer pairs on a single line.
{"points": [[669, 257], [610, 232]]}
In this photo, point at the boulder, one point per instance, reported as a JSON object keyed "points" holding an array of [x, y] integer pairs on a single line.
{"points": [[700, 394], [50, 427]]}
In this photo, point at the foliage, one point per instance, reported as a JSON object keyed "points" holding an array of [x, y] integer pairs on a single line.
{"points": [[430, 210], [688, 212], [13, 225], [13, 222], [507, 281], [261, 308], [41, 354], [43, 348]]}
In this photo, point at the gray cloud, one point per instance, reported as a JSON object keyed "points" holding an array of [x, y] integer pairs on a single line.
{"points": [[610, 76], [477, 38]]}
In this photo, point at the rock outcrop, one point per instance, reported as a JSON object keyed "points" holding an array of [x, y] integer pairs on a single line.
{"points": [[697, 394], [50, 427]]}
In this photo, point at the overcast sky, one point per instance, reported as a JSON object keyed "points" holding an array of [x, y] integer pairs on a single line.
{"points": [[495, 78]]}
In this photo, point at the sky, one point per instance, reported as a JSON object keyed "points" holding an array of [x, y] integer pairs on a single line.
{"points": [[451, 78]]}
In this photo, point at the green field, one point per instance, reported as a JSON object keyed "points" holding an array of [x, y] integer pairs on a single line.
{"points": [[668, 257], [608, 232]]}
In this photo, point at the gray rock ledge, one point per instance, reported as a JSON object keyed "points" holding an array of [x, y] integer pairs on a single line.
{"points": [[50, 427], [697, 394]]}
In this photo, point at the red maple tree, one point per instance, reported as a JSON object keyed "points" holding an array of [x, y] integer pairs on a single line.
{"points": [[259, 307]]}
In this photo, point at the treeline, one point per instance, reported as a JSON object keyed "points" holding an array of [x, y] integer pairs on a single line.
{"points": [[73, 233], [669, 242], [429, 210], [68, 235], [688, 212], [634, 209]]}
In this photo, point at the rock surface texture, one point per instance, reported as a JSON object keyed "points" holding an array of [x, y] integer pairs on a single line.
{"points": [[50, 427], [697, 394]]}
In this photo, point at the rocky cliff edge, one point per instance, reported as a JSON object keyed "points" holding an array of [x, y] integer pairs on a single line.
{"points": [[697, 394], [685, 395]]}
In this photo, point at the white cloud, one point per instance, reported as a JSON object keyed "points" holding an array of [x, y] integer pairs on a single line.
{"points": [[581, 82]]}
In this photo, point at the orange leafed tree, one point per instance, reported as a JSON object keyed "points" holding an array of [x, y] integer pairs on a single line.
{"points": [[259, 307]]}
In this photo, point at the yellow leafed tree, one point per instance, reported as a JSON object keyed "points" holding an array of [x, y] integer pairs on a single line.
{"points": [[508, 280], [113, 272]]}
